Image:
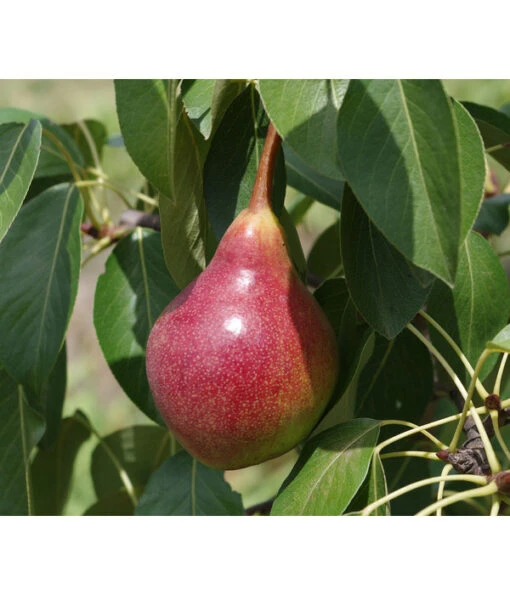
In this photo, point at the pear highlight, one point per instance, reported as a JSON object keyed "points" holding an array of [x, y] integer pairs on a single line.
{"points": [[242, 363]]}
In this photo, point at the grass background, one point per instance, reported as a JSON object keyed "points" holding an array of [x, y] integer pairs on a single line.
{"points": [[91, 386]]}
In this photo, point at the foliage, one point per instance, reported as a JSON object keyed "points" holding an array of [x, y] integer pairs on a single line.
{"points": [[407, 274]]}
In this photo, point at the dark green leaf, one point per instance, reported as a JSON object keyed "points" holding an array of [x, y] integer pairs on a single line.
{"points": [[140, 450], [333, 297], [476, 308], [387, 289], [20, 431], [397, 381], [52, 469], [52, 397], [206, 101], [90, 137], [118, 504], [472, 167], [342, 404], [19, 154], [402, 471], [494, 127], [55, 140], [39, 270], [294, 247], [232, 162], [324, 259], [305, 179], [169, 152], [304, 112], [130, 295], [399, 152], [329, 471], [184, 487], [493, 216], [42, 183]]}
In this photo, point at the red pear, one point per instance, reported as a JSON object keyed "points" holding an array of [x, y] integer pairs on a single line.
{"points": [[243, 362]]}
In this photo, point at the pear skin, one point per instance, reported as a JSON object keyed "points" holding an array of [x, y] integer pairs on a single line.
{"points": [[243, 362]]}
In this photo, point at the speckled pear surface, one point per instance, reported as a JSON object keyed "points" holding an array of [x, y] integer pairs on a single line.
{"points": [[242, 363]]}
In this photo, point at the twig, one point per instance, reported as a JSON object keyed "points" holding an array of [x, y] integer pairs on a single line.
{"points": [[471, 456]]}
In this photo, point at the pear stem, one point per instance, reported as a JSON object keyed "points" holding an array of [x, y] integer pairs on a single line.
{"points": [[262, 189]]}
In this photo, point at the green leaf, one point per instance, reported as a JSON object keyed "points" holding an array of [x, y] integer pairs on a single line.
{"points": [[130, 295], [397, 381], [307, 180], [140, 450], [472, 167], [39, 270], [387, 289], [52, 161], [494, 127], [169, 152], [206, 101], [493, 216], [20, 431], [324, 259], [294, 248], [402, 471], [232, 161], [501, 341], [377, 487], [304, 112], [9, 115], [52, 469], [89, 137], [51, 398], [476, 308], [333, 297], [342, 405], [19, 154], [299, 207], [182, 486], [398, 149], [330, 470], [374, 487], [118, 504]]}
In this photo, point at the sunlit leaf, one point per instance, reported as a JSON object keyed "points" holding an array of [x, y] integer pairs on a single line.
{"points": [[169, 152], [19, 154], [304, 112], [398, 149], [476, 308], [329, 471], [206, 101]]}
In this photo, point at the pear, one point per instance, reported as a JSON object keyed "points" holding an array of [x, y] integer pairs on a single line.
{"points": [[242, 363]]}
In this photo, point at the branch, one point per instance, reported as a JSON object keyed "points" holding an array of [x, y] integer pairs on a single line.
{"points": [[471, 457]]}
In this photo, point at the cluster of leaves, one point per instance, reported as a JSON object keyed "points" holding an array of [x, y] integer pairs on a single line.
{"points": [[403, 167]]}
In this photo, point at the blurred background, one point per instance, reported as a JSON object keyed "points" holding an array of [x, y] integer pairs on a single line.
{"points": [[91, 386]]}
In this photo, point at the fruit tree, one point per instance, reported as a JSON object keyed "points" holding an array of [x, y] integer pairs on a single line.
{"points": [[358, 370]]}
